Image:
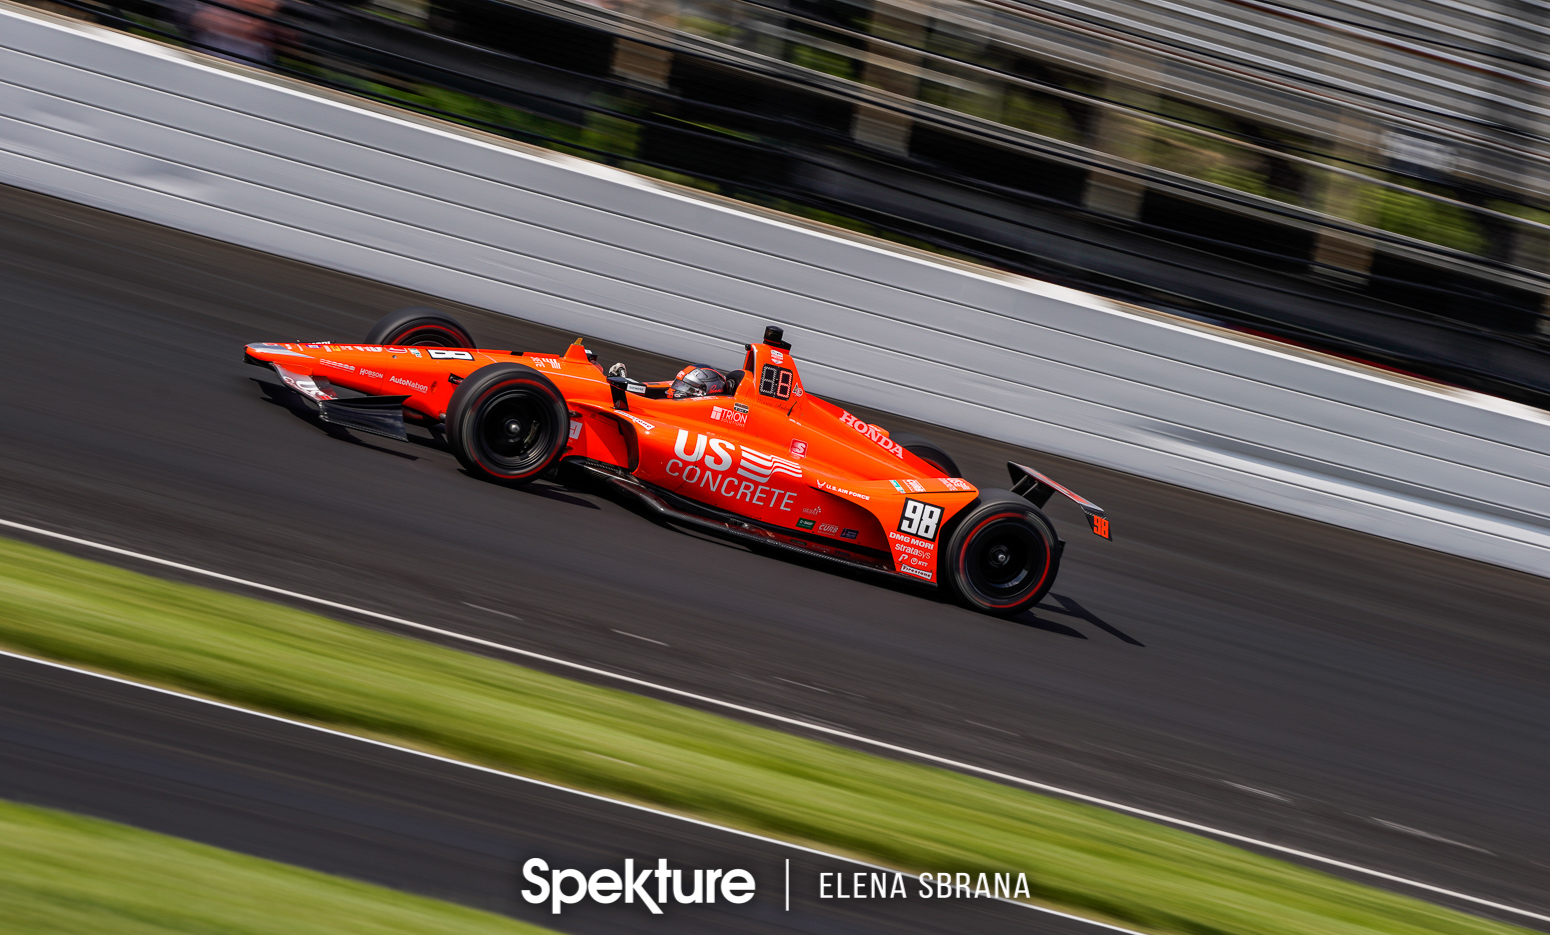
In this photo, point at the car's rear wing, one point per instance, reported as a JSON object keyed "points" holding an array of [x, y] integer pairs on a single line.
{"points": [[1037, 489]]}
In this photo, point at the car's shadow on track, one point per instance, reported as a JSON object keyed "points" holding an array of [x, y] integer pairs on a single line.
{"points": [[549, 489], [1070, 608], [554, 490], [1029, 618]]}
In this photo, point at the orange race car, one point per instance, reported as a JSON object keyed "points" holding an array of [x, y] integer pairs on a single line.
{"points": [[745, 453]]}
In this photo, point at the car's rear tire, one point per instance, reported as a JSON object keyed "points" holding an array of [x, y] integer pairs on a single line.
{"points": [[419, 326], [507, 423], [927, 451], [1002, 556]]}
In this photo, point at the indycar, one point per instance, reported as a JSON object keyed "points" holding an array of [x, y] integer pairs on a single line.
{"points": [[747, 454]]}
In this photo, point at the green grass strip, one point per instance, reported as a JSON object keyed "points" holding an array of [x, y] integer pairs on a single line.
{"points": [[909, 816], [63, 874]]}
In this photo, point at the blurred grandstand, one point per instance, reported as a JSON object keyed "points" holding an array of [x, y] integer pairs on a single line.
{"points": [[1369, 177]]}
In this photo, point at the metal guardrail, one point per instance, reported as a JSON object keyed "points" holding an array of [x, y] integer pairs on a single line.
{"points": [[220, 150]]}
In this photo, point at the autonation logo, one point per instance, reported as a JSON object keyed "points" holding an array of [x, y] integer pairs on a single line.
{"points": [[652, 887]]}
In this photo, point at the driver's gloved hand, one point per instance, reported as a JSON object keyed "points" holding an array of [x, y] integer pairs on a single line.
{"points": [[617, 370]]}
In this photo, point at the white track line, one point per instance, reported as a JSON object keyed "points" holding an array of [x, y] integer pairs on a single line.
{"points": [[804, 725], [530, 781]]}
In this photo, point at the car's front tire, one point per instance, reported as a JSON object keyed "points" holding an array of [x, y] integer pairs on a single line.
{"points": [[1001, 556], [507, 423]]}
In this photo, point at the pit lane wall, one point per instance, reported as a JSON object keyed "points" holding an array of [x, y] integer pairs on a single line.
{"points": [[179, 139]]}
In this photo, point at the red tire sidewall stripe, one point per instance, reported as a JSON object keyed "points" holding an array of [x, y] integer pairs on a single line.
{"points": [[473, 411], [960, 559]]}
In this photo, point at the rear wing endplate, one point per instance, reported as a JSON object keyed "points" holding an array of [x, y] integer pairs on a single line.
{"points": [[1037, 489]]}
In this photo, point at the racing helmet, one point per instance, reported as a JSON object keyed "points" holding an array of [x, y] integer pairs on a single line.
{"points": [[698, 380]]}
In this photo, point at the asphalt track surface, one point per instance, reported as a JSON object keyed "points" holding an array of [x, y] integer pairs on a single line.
{"points": [[1354, 697]]}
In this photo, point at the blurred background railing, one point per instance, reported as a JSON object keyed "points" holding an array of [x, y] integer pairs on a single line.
{"points": [[1365, 177]]}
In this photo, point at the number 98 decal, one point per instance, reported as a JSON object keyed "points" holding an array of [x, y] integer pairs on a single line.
{"points": [[920, 519]]}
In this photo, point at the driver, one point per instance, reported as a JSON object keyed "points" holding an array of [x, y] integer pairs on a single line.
{"points": [[698, 380]]}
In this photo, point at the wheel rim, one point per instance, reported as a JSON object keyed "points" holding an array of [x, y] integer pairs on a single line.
{"points": [[429, 336], [1005, 559], [514, 430]]}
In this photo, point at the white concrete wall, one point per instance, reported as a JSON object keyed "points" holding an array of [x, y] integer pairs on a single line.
{"points": [[139, 129]]}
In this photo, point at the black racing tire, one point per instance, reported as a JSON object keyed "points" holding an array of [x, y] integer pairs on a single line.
{"points": [[507, 423], [1001, 556], [419, 326], [928, 451]]}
